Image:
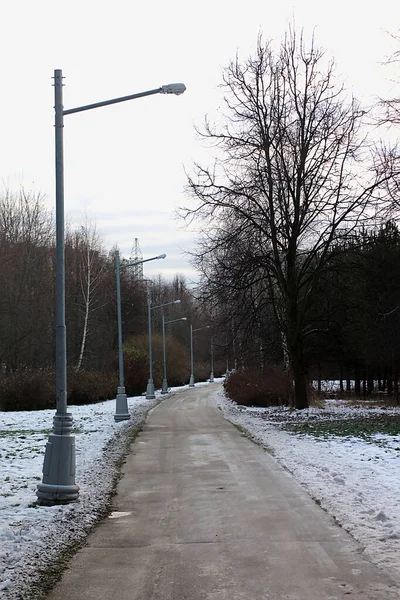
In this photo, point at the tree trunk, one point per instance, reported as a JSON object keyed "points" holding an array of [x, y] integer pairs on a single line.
{"points": [[395, 380], [380, 382], [319, 379], [364, 383], [370, 381], [357, 380], [298, 370], [348, 381], [389, 382]]}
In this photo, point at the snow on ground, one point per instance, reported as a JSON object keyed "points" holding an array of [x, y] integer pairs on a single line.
{"points": [[32, 536], [355, 480]]}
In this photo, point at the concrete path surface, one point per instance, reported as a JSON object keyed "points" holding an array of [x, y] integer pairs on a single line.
{"points": [[202, 513]]}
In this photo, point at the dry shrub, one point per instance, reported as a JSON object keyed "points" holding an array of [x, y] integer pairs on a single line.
{"points": [[202, 370], [136, 370], [27, 389], [36, 390], [136, 361], [88, 387], [270, 386]]}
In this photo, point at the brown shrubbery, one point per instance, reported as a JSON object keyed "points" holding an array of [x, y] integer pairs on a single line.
{"points": [[136, 360], [136, 370], [26, 389], [87, 387], [270, 386]]}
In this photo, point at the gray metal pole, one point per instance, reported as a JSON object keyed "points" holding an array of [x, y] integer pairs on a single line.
{"points": [[150, 385], [212, 361], [119, 319], [191, 380], [121, 404], [58, 484], [61, 338], [164, 388]]}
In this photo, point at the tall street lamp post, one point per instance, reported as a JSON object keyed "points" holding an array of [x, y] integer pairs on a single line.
{"points": [[150, 384], [212, 359], [191, 380], [164, 388], [58, 484], [121, 405]]}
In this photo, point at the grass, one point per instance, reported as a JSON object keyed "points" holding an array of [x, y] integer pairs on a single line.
{"points": [[365, 428], [23, 433]]}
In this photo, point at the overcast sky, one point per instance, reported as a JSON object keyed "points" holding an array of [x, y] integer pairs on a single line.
{"points": [[124, 164]]}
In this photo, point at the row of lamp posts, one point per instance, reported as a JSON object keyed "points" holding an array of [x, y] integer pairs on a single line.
{"points": [[121, 412], [150, 385], [58, 482]]}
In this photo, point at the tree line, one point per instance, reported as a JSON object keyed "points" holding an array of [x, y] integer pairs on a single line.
{"points": [[299, 250], [298, 255], [27, 304]]}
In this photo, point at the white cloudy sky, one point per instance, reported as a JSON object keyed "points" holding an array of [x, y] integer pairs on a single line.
{"points": [[124, 164]]}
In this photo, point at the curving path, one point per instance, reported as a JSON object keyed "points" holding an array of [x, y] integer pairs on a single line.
{"points": [[202, 513]]}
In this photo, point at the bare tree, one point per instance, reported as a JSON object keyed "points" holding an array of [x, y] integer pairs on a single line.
{"points": [[91, 272], [293, 174], [26, 280], [87, 288], [391, 106], [389, 117]]}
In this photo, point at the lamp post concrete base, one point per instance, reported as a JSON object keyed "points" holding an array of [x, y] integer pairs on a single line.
{"points": [[164, 388], [150, 390], [191, 381], [121, 406], [58, 484]]}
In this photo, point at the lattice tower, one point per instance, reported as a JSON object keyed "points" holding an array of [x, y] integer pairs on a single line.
{"points": [[136, 255]]}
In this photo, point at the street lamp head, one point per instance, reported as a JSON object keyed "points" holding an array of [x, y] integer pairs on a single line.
{"points": [[176, 302], [162, 256], [173, 88]]}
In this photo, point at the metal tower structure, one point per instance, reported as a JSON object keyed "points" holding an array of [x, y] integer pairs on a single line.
{"points": [[136, 256]]}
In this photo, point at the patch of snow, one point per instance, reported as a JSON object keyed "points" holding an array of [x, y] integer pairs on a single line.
{"points": [[355, 480], [32, 536]]}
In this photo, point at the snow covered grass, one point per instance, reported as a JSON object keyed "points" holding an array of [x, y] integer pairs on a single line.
{"points": [[33, 538], [344, 457], [353, 476]]}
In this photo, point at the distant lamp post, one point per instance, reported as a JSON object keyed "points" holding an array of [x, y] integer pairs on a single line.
{"points": [[191, 380], [121, 405], [164, 388], [212, 359], [58, 484], [150, 385]]}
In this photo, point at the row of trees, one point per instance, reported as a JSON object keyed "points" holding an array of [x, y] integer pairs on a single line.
{"points": [[298, 266], [27, 300], [298, 253]]}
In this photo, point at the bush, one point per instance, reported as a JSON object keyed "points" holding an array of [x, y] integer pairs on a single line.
{"points": [[136, 370], [88, 387], [202, 370], [136, 362], [36, 390], [270, 386], [26, 389]]}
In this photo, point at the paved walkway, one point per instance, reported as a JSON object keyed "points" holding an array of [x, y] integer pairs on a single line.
{"points": [[202, 513]]}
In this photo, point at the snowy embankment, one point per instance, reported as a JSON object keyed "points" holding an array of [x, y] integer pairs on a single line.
{"points": [[32, 536], [355, 479]]}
